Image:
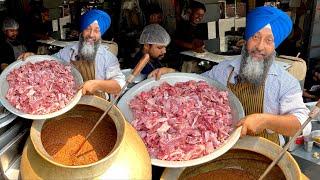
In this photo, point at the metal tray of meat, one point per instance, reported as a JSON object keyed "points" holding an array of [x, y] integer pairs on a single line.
{"points": [[172, 78], [33, 59]]}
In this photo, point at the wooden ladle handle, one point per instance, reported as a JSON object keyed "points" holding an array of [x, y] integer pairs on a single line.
{"points": [[136, 71]]}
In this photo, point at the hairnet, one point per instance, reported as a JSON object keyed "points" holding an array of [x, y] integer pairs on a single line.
{"points": [[101, 17], [154, 34], [10, 23]]}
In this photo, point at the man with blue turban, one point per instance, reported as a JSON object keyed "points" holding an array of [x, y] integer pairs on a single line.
{"points": [[99, 68], [271, 97]]}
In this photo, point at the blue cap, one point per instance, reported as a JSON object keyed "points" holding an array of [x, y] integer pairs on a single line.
{"points": [[280, 23], [101, 17]]}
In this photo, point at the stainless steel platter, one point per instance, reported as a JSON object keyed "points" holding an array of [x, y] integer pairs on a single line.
{"points": [[10, 155], [10, 133], [33, 59], [6, 120], [3, 111], [172, 78]]}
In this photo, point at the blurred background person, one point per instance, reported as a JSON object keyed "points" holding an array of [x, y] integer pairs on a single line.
{"points": [[10, 47], [37, 25], [41, 25], [187, 35], [311, 91], [154, 14]]}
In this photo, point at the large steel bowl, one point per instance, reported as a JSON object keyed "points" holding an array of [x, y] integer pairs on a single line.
{"points": [[250, 155], [172, 78], [129, 158], [33, 59]]}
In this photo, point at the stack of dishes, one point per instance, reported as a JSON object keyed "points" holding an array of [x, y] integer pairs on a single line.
{"points": [[13, 134], [6, 119]]}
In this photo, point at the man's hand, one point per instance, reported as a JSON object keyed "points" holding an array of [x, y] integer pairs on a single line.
{"points": [[3, 66], [160, 71], [90, 87], [23, 56], [252, 124], [306, 94], [240, 43], [198, 45]]}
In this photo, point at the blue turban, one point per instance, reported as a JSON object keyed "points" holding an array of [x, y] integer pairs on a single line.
{"points": [[101, 17], [279, 21]]}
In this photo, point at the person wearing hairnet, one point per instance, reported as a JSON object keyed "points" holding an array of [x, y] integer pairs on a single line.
{"points": [[271, 97], [10, 47], [154, 39], [99, 68]]}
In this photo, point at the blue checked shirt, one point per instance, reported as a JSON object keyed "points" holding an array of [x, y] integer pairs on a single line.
{"points": [[282, 93], [107, 65]]}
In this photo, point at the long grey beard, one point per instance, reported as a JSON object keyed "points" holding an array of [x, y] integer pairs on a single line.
{"points": [[88, 51], [254, 71]]}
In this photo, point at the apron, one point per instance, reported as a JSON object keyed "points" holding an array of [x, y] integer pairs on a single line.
{"points": [[251, 98], [155, 64], [87, 71], [17, 49]]}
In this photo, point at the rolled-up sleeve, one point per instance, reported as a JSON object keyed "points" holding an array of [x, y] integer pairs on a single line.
{"points": [[113, 70], [291, 102]]}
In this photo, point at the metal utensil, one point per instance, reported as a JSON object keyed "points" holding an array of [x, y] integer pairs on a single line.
{"points": [[143, 61], [312, 115]]}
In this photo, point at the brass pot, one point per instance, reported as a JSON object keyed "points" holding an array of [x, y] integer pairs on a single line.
{"points": [[250, 155], [129, 159]]}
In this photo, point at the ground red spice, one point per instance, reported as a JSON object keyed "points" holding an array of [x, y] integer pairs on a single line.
{"points": [[62, 137]]}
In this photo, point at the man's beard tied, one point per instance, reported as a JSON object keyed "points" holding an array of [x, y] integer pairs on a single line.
{"points": [[254, 71], [86, 50]]}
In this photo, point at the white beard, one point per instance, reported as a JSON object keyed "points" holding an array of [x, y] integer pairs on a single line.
{"points": [[88, 51], [254, 70]]}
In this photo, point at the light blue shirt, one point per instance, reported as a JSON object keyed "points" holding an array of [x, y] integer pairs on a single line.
{"points": [[282, 93], [106, 64]]}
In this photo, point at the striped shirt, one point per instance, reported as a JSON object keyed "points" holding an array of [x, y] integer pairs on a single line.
{"points": [[282, 93], [106, 64]]}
